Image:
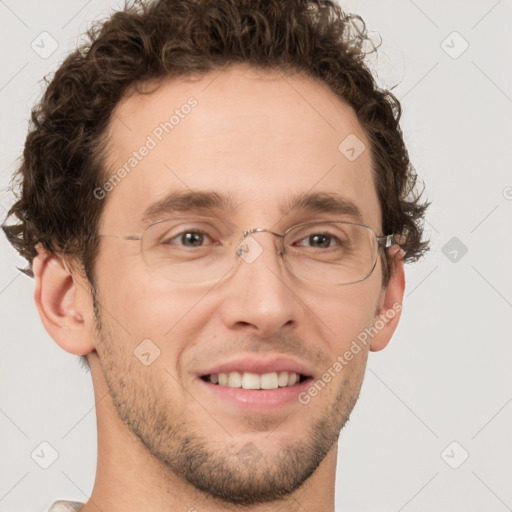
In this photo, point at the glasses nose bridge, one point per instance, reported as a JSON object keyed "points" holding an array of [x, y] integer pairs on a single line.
{"points": [[248, 232]]}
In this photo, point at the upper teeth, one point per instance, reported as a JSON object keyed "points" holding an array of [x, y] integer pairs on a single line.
{"points": [[248, 380]]}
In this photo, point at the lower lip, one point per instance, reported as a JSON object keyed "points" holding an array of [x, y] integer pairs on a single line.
{"points": [[257, 400]]}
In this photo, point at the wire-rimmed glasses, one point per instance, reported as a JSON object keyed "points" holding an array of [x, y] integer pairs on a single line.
{"points": [[199, 250]]}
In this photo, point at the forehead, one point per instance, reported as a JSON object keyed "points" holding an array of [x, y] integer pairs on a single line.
{"points": [[256, 136]]}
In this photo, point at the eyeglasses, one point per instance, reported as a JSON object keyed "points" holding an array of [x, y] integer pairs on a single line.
{"points": [[202, 250]]}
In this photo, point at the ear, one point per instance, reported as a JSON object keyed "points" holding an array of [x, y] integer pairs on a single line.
{"points": [[389, 308], [61, 300]]}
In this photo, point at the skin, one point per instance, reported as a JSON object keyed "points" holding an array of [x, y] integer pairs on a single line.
{"points": [[249, 128]]}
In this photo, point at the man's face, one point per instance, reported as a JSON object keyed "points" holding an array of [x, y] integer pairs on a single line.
{"points": [[262, 140]]}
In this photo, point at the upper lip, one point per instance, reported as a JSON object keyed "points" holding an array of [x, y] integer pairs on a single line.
{"points": [[258, 365]]}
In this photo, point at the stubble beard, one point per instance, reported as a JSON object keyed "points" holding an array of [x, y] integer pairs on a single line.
{"points": [[238, 474]]}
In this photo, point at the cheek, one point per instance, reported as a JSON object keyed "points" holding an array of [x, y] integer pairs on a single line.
{"points": [[140, 301], [343, 313], [152, 315]]}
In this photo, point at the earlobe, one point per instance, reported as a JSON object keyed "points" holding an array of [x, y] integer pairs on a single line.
{"points": [[390, 303], [58, 299]]}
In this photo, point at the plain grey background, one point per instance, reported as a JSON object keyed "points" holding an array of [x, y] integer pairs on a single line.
{"points": [[431, 430]]}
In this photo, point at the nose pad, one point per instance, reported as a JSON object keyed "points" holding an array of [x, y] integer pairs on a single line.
{"points": [[249, 249]]}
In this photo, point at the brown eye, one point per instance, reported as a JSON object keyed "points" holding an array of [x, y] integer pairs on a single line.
{"points": [[320, 241], [189, 239]]}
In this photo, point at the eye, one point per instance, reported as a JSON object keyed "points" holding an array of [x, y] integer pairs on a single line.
{"points": [[189, 239], [319, 241]]}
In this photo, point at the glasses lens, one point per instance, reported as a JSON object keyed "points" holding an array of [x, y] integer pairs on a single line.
{"points": [[189, 249], [331, 252], [199, 250]]}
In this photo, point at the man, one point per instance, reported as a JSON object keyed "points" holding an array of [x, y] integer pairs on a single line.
{"points": [[217, 205]]}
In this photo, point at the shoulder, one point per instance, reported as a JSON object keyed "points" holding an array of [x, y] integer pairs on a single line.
{"points": [[65, 506]]}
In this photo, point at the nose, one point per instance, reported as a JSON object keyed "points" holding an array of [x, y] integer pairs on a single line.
{"points": [[259, 295]]}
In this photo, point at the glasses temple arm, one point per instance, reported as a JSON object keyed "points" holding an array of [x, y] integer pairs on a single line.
{"points": [[386, 241]]}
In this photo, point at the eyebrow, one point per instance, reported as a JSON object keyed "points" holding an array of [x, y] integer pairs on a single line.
{"points": [[188, 200], [322, 202], [204, 201]]}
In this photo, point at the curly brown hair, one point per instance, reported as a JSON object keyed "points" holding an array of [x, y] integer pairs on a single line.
{"points": [[63, 156]]}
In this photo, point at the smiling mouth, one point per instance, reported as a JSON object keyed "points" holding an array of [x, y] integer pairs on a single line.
{"points": [[250, 380]]}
